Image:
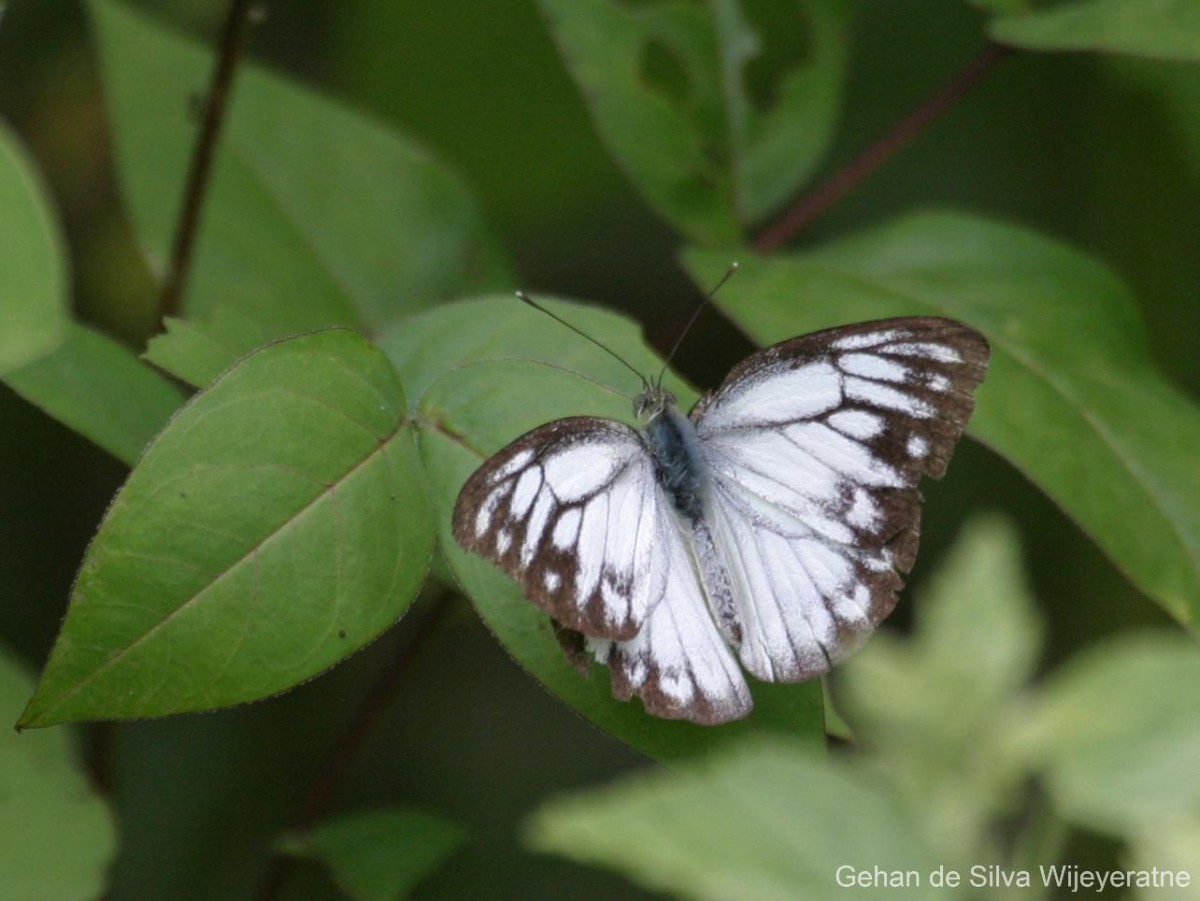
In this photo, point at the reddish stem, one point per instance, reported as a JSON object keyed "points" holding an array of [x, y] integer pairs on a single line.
{"points": [[844, 181]]}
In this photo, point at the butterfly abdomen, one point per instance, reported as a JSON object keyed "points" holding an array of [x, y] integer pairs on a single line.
{"points": [[672, 441]]}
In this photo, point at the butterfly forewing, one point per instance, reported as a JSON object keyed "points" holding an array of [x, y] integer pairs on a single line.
{"points": [[569, 511], [815, 447]]}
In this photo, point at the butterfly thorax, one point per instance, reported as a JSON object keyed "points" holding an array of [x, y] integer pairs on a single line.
{"points": [[673, 444]]}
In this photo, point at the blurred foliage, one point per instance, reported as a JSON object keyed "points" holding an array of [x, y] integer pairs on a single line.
{"points": [[1098, 150], [952, 739]]}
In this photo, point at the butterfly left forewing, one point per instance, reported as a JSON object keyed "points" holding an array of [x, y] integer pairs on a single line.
{"points": [[815, 447], [567, 510]]}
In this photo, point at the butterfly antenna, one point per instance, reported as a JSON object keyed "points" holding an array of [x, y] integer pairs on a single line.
{"points": [[733, 267], [608, 350]]}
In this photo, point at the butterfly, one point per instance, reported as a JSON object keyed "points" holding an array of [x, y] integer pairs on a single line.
{"points": [[767, 530]]}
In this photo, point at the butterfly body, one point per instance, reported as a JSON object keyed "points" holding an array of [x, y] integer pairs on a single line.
{"points": [[766, 530], [672, 442]]}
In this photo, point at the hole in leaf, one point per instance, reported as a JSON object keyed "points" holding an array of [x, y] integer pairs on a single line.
{"points": [[785, 44], [663, 71]]}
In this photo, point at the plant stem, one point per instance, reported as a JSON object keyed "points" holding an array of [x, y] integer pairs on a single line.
{"points": [[845, 180], [233, 34], [342, 756]]}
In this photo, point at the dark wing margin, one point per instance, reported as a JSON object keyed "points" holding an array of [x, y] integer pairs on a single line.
{"points": [[567, 511], [816, 446]]}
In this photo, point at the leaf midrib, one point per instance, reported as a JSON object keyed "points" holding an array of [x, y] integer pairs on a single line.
{"points": [[116, 659]]}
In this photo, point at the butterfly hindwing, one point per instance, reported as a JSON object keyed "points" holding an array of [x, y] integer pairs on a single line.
{"points": [[815, 447], [679, 663]]}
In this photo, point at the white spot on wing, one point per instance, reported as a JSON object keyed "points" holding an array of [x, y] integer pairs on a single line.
{"points": [[566, 530], [526, 490], [857, 423], [867, 339], [483, 518], [778, 395], [551, 581], [874, 367], [581, 470], [513, 466], [878, 395], [535, 527], [928, 350], [863, 512], [918, 446]]}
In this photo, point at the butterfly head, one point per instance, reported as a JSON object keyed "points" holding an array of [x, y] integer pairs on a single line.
{"points": [[649, 405]]}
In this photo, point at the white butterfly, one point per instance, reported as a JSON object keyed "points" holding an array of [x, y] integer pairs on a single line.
{"points": [[770, 525]]}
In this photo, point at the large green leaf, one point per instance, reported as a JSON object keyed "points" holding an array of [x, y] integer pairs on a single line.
{"points": [[718, 114], [766, 821], [57, 836], [101, 390], [1117, 733], [1072, 397], [33, 288], [315, 214], [938, 709], [379, 855], [479, 374], [279, 523], [1160, 29]]}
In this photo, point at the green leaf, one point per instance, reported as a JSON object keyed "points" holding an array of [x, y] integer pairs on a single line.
{"points": [[1117, 732], [938, 709], [315, 214], [1159, 29], [279, 523], [765, 821], [481, 373], [101, 390], [196, 351], [1072, 397], [33, 291], [57, 836], [718, 115], [379, 855]]}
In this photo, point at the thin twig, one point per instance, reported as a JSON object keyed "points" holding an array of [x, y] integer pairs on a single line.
{"points": [[343, 755], [842, 182], [233, 34]]}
